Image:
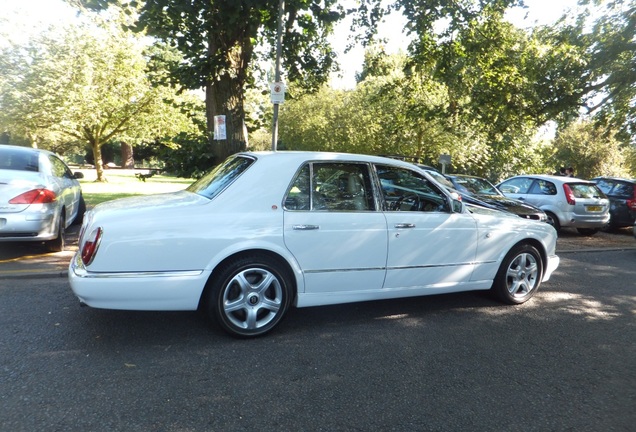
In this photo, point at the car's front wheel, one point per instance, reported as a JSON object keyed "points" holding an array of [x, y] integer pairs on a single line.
{"points": [[250, 295], [553, 220], [519, 276]]}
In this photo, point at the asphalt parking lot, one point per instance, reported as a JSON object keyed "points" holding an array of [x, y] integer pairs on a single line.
{"points": [[459, 362]]}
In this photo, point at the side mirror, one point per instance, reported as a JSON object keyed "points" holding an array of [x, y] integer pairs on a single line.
{"points": [[78, 175], [458, 206]]}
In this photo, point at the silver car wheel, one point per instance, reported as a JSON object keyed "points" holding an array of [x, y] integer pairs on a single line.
{"points": [[522, 275], [252, 298]]}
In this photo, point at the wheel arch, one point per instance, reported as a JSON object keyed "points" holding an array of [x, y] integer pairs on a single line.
{"points": [[538, 246], [285, 265]]}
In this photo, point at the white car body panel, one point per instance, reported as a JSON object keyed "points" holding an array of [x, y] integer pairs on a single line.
{"points": [[158, 253]]}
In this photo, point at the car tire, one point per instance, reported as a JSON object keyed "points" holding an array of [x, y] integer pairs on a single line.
{"points": [[250, 295], [57, 244], [553, 220], [519, 276], [587, 231], [81, 209]]}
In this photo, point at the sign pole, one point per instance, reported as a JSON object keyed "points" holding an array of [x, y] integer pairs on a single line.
{"points": [[279, 49]]}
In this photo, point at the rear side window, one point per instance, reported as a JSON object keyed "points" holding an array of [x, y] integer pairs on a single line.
{"points": [[19, 160], [220, 177], [543, 187], [331, 187]]}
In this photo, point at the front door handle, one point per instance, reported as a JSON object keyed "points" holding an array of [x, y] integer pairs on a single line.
{"points": [[404, 225], [305, 227]]}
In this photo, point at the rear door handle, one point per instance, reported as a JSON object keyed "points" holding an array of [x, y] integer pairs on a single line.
{"points": [[305, 227]]}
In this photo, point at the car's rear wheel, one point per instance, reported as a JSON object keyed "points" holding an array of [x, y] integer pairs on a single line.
{"points": [[519, 276], [250, 295], [81, 209], [553, 220], [587, 231], [57, 244]]}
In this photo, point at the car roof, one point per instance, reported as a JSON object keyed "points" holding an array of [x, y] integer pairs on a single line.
{"points": [[297, 157], [633, 181], [553, 178], [24, 150]]}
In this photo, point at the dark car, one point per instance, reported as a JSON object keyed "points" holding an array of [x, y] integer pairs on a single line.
{"points": [[622, 195], [479, 191]]}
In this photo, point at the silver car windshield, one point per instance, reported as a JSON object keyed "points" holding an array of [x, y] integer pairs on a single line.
{"points": [[213, 183]]}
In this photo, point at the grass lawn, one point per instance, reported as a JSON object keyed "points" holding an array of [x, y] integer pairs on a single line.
{"points": [[123, 183]]}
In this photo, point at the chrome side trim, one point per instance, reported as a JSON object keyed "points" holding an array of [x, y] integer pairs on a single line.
{"points": [[79, 270], [400, 268]]}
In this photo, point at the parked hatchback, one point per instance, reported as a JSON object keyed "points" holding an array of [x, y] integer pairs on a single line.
{"points": [[567, 201], [622, 195], [39, 196]]}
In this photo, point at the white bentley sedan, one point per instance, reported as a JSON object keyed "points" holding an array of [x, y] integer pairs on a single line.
{"points": [[266, 231]]}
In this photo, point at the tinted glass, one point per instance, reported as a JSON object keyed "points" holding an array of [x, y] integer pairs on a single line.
{"points": [[18, 160], [220, 177], [332, 187], [516, 185], [475, 185], [586, 191], [406, 190], [543, 187]]}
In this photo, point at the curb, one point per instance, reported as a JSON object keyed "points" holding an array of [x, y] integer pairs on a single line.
{"points": [[9, 275]]}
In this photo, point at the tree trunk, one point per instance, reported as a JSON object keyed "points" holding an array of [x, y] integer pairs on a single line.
{"points": [[225, 97], [99, 164], [127, 159]]}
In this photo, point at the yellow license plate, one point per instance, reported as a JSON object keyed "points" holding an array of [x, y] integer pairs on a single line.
{"points": [[594, 208]]}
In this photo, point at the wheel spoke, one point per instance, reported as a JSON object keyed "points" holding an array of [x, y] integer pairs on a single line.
{"points": [[522, 274]]}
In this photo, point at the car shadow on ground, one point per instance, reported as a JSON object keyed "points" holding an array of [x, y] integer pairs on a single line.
{"points": [[33, 250]]}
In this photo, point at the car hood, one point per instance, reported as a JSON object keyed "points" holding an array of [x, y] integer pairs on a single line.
{"points": [[508, 204]]}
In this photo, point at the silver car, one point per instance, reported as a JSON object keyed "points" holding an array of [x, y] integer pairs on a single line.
{"points": [[39, 197], [567, 201]]}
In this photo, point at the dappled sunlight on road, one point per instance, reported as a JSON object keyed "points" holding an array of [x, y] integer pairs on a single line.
{"points": [[589, 308]]}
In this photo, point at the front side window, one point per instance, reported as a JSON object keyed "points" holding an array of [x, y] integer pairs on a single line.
{"points": [[406, 190], [519, 185], [331, 187]]}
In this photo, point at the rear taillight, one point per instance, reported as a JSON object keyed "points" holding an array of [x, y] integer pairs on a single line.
{"points": [[569, 195], [631, 203], [35, 196], [90, 246]]}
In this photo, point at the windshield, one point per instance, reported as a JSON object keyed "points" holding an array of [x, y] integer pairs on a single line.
{"points": [[220, 177], [475, 185]]}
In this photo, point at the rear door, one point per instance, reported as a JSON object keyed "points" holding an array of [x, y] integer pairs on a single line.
{"points": [[334, 229], [67, 187]]}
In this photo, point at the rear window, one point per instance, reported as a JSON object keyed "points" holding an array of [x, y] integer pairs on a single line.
{"points": [[586, 191], [616, 188], [220, 177], [10, 159]]}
